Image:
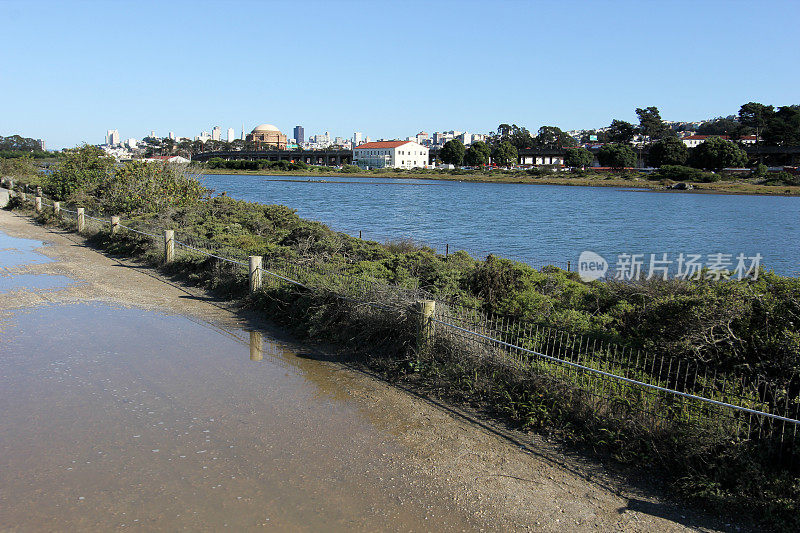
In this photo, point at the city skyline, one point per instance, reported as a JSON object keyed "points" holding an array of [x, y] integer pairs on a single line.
{"points": [[471, 66]]}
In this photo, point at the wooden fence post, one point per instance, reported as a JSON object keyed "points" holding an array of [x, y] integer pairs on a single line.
{"points": [[425, 326], [57, 209], [255, 273], [81, 220], [37, 204], [114, 225], [169, 246]]}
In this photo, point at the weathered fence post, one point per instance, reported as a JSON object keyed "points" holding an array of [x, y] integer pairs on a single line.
{"points": [[255, 346], [169, 246], [37, 204], [255, 273], [57, 208], [114, 225], [81, 220], [425, 328]]}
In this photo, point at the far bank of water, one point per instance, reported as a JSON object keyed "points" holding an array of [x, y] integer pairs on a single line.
{"points": [[539, 224]]}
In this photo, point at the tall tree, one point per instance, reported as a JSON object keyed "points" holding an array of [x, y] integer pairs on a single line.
{"points": [[650, 122], [668, 151], [504, 154], [552, 137], [478, 154], [756, 116], [783, 127], [516, 135], [621, 131], [452, 152]]}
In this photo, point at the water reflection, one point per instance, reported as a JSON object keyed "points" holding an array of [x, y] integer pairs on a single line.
{"points": [[256, 341]]}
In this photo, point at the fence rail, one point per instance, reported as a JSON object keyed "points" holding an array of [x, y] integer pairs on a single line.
{"points": [[665, 388]]}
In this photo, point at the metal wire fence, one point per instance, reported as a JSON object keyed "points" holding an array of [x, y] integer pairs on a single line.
{"points": [[620, 381]]}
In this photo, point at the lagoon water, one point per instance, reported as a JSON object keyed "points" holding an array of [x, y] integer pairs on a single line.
{"points": [[539, 224]]}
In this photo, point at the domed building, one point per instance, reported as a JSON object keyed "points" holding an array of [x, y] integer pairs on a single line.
{"points": [[267, 136]]}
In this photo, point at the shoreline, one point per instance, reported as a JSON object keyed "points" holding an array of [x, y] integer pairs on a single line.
{"points": [[739, 187]]}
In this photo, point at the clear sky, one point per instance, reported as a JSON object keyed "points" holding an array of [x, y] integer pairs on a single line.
{"points": [[71, 70]]}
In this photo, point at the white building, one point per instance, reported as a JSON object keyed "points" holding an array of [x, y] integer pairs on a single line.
{"points": [[204, 136], [166, 159], [357, 138], [132, 143], [693, 141], [172, 135], [231, 135], [112, 137], [392, 154], [216, 133]]}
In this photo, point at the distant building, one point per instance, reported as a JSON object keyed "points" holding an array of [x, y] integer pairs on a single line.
{"points": [[41, 144], [299, 135], [172, 135], [166, 159], [152, 134], [357, 138], [132, 143], [391, 154], [267, 136], [216, 134], [231, 135], [112, 137], [203, 137], [695, 140]]}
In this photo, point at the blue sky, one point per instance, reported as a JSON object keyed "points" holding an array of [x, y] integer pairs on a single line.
{"points": [[71, 70]]}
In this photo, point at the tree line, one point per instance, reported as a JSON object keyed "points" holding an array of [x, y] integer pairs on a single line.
{"points": [[772, 126]]}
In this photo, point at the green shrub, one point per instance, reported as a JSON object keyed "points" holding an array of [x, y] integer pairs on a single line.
{"points": [[782, 178], [683, 173], [350, 169]]}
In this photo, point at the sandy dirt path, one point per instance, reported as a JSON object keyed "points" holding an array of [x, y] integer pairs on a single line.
{"points": [[492, 480]]}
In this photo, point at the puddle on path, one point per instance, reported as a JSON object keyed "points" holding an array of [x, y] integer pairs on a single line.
{"points": [[118, 417], [15, 254], [14, 282]]}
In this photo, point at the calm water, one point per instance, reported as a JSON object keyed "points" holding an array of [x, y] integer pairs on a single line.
{"points": [[538, 223]]}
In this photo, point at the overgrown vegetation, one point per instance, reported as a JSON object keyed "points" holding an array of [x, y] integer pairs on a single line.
{"points": [[733, 326]]}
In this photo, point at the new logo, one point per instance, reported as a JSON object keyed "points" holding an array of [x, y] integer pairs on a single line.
{"points": [[591, 266]]}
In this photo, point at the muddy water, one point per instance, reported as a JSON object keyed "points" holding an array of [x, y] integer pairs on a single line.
{"points": [[119, 417]]}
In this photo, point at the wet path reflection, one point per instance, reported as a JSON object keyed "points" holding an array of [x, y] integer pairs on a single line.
{"points": [[117, 417], [15, 256]]}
